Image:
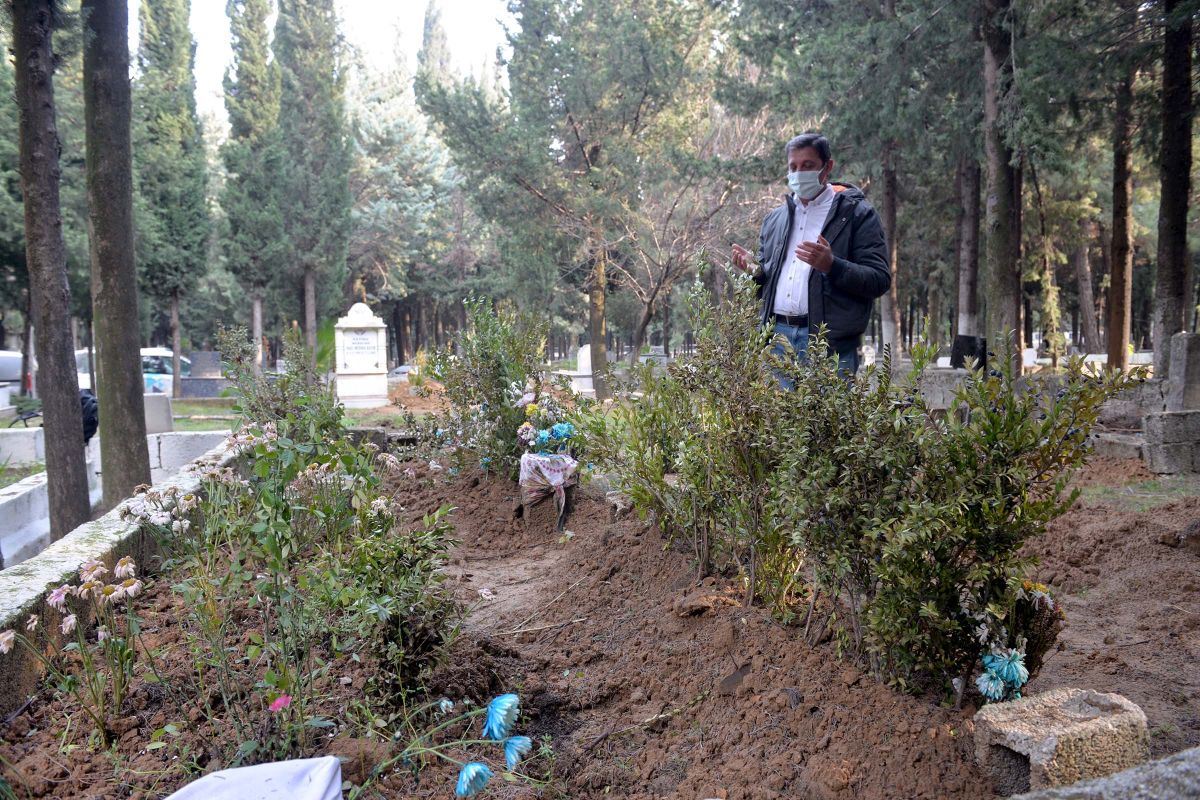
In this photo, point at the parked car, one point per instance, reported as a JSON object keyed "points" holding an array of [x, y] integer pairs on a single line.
{"points": [[156, 369]]}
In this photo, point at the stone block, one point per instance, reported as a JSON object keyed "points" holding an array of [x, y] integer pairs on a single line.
{"points": [[21, 446], [1173, 427], [1118, 445], [1183, 373], [1057, 738], [1176, 776], [159, 417], [1125, 410], [1171, 459]]}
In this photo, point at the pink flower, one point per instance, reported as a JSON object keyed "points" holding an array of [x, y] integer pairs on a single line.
{"points": [[126, 568], [281, 702], [130, 587], [91, 570], [58, 598], [101, 633], [32, 623], [6, 640], [68, 624]]}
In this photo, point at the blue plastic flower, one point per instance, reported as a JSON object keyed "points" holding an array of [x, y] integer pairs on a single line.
{"points": [[562, 430], [485, 462], [515, 748], [991, 685], [471, 779], [1010, 666], [501, 716], [543, 438]]}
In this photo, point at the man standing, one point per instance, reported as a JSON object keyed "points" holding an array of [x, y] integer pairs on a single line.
{"points": [[821, 257]]}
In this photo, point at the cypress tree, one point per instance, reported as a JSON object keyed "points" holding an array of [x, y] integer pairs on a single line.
{"points": [[254, 244], [315, 149], [169, 161]]}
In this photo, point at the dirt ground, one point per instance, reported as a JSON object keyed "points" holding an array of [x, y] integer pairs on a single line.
{"points": [[651, 685], [612, 630]]}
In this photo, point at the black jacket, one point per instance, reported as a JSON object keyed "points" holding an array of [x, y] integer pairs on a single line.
{"points": [[841, 300]]}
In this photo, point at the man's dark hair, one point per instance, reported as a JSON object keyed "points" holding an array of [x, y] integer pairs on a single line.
{"points": [[814, 140]]}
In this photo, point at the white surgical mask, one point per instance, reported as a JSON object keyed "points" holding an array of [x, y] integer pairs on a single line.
{"points": [[805, 185]]}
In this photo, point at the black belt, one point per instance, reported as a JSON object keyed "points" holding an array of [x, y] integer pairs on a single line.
{"points": [[800, 321]]}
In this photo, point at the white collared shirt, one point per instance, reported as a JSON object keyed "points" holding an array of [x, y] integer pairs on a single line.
{"points": [[791, 293]]}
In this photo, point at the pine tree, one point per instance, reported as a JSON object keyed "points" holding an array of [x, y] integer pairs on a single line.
{"points": [[169, 162], [255, 243], [315, 147], [433, 59]]}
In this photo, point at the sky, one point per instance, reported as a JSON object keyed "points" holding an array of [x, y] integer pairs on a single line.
{"points": [[377, 28]]}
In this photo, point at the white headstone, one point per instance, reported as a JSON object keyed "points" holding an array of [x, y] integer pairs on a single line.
{"points": [[360, 340], [583, 361]]}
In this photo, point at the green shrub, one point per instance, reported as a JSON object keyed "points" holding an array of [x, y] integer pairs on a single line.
{"points": [[498, 359], [900, 529]]}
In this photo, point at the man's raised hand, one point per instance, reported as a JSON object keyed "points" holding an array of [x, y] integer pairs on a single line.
{"points": [[741, 258], [816, 254]]}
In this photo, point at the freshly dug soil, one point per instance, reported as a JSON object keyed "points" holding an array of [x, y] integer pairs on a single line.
{"points": [[650, 684]]}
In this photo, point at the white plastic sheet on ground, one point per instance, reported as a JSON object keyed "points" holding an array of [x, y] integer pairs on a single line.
{"points": [[301, 779], [546, 474]]}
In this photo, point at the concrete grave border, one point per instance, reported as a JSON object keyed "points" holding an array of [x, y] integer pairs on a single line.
{"points": [[24, 587]]}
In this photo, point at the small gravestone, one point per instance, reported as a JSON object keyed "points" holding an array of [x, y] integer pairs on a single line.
{"points": [[205, 363], [361, 358]]}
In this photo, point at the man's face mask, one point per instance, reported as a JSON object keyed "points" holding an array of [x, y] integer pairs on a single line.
{"points": [[805, 185]]}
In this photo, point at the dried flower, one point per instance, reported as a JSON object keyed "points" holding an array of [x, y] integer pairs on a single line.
{"points": [[101, 633], [6, 640], [89, 588], [32, 623], [58, 598], [471, 779], [126, 568], [502, 714], [131, 587], [111, 593], [516, 747], [68, 624]]}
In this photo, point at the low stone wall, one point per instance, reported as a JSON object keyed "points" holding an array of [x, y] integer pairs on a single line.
{"points": [[23, 588], [24, 506]]}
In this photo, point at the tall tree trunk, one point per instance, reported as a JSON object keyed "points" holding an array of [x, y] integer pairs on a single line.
{"points": [[27, 347], [176, 372], [1003, 201], [1087, 302], [597, 332], [889, 304], [1120, 288], [310, 314], [1175, 165], [66, 470], [968, 248], [639, 333], [256, 328], [666, 317], [117, 379], [400, 325]]}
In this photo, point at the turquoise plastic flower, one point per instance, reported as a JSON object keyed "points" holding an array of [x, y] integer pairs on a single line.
{"points": [[543, 438], [562, 430], [1010, 666], [471, 779], [501, 716], [515, 748], [991, 685]]}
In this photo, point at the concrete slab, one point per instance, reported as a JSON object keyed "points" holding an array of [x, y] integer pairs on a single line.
{"points": [[1183, 373]]}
